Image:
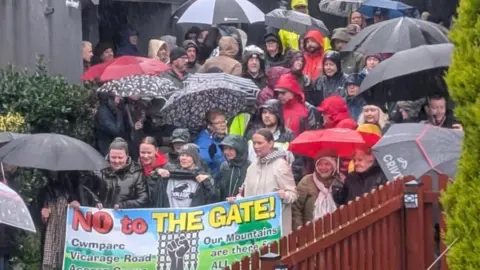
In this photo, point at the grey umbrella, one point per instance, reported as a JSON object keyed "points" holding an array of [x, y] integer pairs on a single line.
{"points": [[139, 85], [6, 137], [342, 8], [396, 35], [415, 149], [410, 61], [294, 21], [52, 152]]}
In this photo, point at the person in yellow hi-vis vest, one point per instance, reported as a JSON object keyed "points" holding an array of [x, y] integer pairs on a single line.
{"points": [[291, 39]]}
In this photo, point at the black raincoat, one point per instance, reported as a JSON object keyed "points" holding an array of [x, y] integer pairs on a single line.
{"points": [[328, 86], [233, 172]]}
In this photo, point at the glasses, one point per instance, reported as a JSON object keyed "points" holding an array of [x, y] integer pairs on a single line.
{"points": [[281, 93], [219, 123]]}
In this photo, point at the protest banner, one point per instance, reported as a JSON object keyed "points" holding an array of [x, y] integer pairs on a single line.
{"points": [[206, 237]]}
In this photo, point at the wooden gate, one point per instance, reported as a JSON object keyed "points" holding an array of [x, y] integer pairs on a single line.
{"points": [[390, 228]]}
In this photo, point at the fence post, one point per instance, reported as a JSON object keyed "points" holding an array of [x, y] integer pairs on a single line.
{"points": [[271, 261], [414, 229]]}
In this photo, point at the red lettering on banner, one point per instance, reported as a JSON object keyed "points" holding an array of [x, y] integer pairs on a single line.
{"points": [[101, 221], [137, 226]]}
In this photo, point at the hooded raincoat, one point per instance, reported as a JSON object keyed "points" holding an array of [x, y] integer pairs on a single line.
{"points": [[326, 86], [126, 47], [276, 60], [226, 62], [313, 61], [295, 111], [352, 62], [336, 110], [273, 74], [290, 39], [261, 79], [270, 174], [232, 173]]}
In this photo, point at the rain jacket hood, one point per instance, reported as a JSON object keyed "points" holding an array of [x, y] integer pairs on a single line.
{"points": [[125, 47], [154, 46], [313, 61], [228, 46], [289, 82], [337, 111], [239, 143], [296, 3], [335, 58], [249, 54], [273, 75], [340, 34], [275, 107]]}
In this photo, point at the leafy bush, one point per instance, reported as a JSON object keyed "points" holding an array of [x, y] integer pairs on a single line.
{"points": [[48, 103], [34, 104], [461, 199]]}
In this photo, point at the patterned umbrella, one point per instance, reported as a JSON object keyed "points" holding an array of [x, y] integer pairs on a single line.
{"points": [[244, 84], [187, 108], [139, 85]]}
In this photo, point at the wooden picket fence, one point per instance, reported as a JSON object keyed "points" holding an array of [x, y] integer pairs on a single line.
{"points": [[390, 228]]}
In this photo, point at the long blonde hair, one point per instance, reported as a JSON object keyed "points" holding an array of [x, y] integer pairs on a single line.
{"points": [[382, 117]]}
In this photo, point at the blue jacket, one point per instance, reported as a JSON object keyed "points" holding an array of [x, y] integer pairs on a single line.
{"points": [[204, 141]]}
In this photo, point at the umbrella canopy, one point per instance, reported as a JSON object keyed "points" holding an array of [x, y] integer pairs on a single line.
{"points": [[393, 9], [139, 85], [6, 137], [187, 108], [415, 149], [221, 12], [13, 210], [124, 66], [52, 152], [342, 140], [397, 35], [294, 21], [244, 84], [410, 61], [342, 8]]}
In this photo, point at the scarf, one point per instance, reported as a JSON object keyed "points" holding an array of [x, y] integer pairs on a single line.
{"points": [[324, 203], [159, 161]]}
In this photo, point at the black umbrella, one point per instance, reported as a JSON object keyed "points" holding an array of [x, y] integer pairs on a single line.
{"points": [[6, 137], [221, 12], [139, 85], [419, 59], [187, 108], [294, 21], [415, 149], [244, 84], [396, 35], [52, 152]]}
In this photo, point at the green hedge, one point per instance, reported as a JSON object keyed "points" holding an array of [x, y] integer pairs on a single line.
{"points": [[47, 104], [462, 200]]}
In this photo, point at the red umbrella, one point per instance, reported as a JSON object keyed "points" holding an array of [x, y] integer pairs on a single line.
{"points": [[124, 66], [342, 140]]}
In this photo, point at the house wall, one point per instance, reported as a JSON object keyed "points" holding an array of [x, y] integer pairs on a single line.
{"points": [[26, 32]]}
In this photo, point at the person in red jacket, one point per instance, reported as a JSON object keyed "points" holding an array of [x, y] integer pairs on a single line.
{"points": [[335, 113], [313, 53], [295, 111]]}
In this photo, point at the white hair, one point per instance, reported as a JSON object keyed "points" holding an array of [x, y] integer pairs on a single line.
{"points": [[382, 119]]}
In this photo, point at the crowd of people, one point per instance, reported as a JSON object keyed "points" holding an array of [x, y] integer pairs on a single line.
{"points": [[306, 83]]}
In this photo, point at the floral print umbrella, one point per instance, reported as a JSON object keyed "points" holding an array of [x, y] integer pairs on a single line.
{"points": [[139, 85], [187, 108]]}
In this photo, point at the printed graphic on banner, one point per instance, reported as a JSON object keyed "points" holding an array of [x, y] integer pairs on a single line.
{"points": [[206, 237]]}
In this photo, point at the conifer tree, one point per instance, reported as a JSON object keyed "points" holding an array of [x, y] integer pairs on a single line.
{"points": [[462, 199]]}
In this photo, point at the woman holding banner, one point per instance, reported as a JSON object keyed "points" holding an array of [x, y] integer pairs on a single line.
{"points": [[271, 173], [183, 185]]}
